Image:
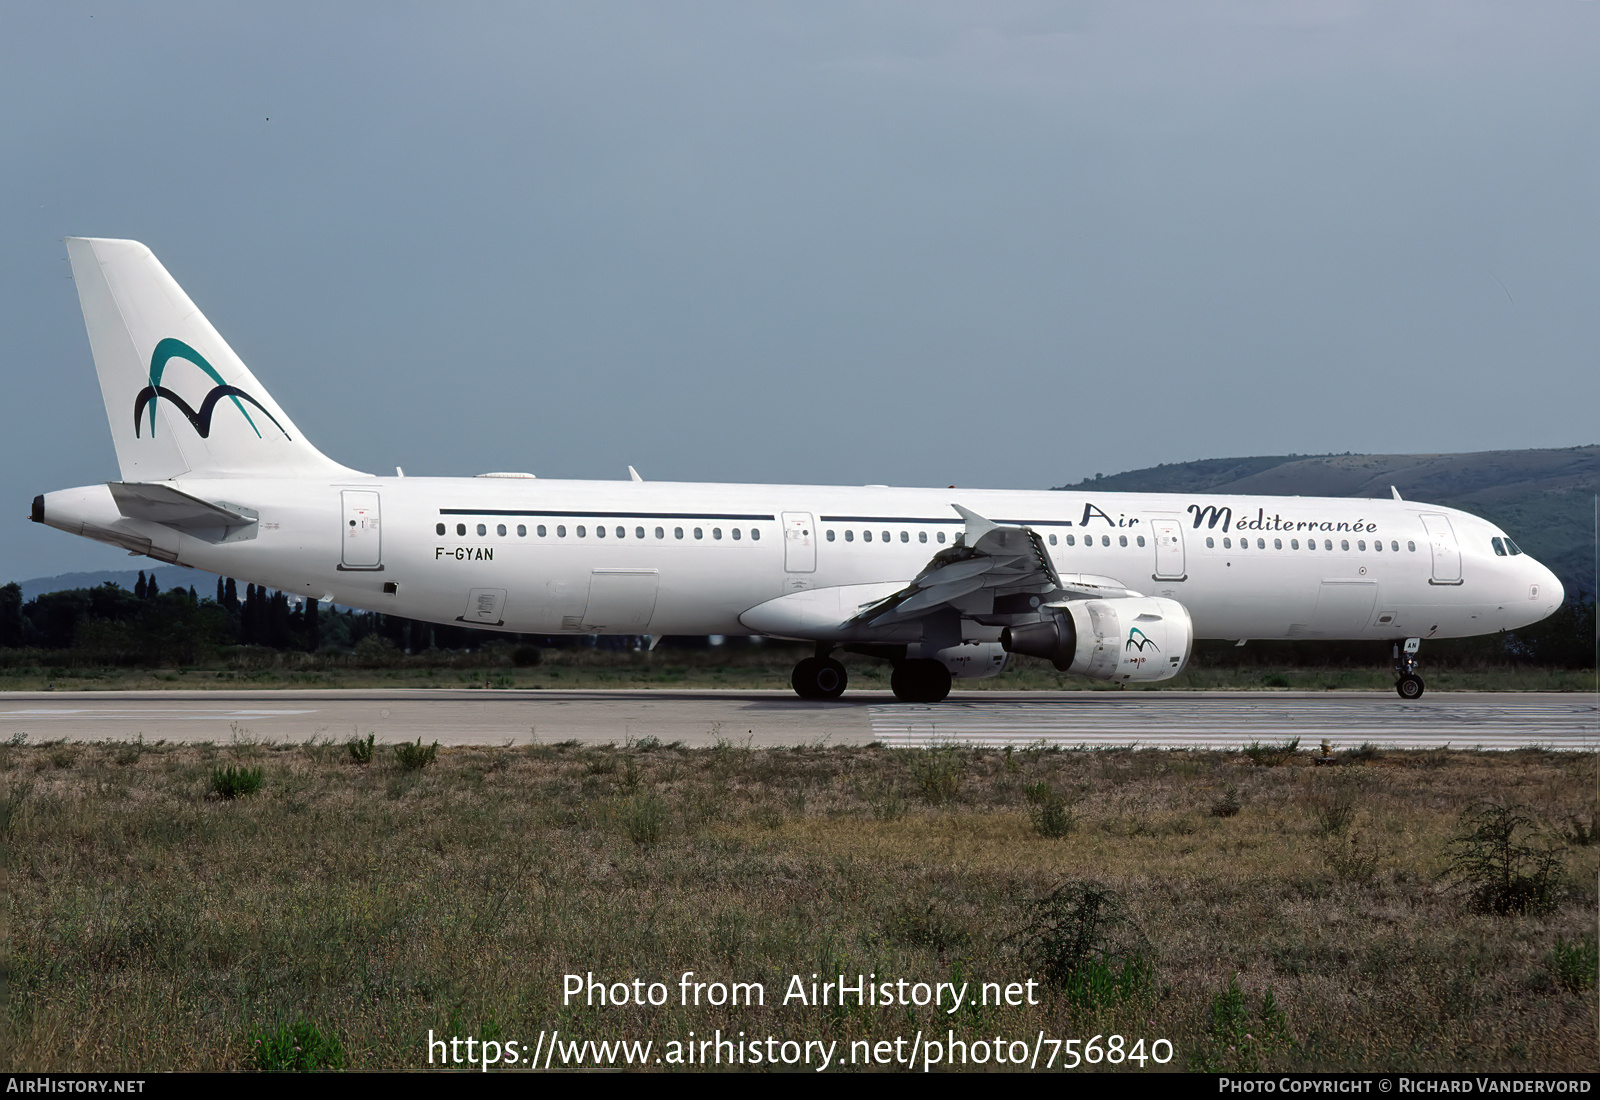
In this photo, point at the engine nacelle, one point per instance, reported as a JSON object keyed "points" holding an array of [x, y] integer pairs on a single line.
{"points": [[966, 662], [1136, 640]]}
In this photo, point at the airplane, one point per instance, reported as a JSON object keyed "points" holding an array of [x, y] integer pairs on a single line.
{"points": [[943, 584]]}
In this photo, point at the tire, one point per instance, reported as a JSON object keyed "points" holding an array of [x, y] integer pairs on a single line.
{"points": [[920, 681], [1409, 687], [819, 678]]}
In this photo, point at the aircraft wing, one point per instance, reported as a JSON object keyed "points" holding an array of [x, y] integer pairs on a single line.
{"points": [[1009, 560]]}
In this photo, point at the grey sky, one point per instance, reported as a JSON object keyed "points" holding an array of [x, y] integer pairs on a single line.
{"points": [[990, 244]]}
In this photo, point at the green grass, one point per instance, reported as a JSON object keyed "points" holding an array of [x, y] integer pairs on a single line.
{"points": [[153, 927]]}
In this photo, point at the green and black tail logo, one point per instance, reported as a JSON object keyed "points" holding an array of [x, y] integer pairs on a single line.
{"points": [[201, 419]]}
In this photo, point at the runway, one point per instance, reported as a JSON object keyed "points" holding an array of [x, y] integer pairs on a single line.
{"points": [[1146, 719]]}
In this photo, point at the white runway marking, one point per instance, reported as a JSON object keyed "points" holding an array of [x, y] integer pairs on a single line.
{"points": [[1230, 722], [153, 714]]}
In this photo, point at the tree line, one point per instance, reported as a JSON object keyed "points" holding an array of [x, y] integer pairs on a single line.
{"points": [[147, 626]]}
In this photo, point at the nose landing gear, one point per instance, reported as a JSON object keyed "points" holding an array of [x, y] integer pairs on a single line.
{"points": [[1409, 685]]}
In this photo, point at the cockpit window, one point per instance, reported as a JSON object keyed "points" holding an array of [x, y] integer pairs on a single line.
{"points": [[1513, 547], [1499, 548]]}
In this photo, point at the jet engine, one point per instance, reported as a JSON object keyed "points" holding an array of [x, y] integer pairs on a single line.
{"points": [[1135, 640]]}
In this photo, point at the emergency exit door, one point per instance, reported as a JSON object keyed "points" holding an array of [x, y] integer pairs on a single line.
{"points": [[363, 537]]}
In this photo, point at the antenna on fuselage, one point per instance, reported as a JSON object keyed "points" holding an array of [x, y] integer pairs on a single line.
{"points": [[1396, 492], [634, 474]]}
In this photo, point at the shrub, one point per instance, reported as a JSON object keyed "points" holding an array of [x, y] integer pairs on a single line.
{"points": [[644, 816], [1229, 804], [1574, 964], [1079, 939], [299, 1047], [1238, 1039], [1334, 808], [938, 774], [1269, 755], [361, 751], [415, 757], [231, 782], [1501, 872], [1053, 817]]}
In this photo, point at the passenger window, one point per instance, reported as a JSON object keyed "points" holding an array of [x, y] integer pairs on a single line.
{"points": [[735, 534], [541, 530], [1411, 546], [1277, 544], [1071, 540], [866, 536], [461, 528], [1211, 543], [1377, 544], [905, 536], [1052, 540], [1327, 544], [1105, 540], [581, 531], [482, 530], [522, 530], [622, 532], [849, 536], [940, 536], [755, 534], [699, 534], [1344, 544], [561, 530], [922, 536], [830, 534], [716, 532], [1122, 540], [1361, 544], [501, 529], [1227, 544], [677, 532], [438, 528], [1244, 544], [1141, 540], [599, 532], [886, 536], [661, 533]]}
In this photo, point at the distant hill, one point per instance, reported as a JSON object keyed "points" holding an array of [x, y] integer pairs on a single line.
{"points": [[167, 576], [1545, 499]]}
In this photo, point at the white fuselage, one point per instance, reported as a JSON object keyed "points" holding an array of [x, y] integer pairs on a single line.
{"points": [[550, 557]]}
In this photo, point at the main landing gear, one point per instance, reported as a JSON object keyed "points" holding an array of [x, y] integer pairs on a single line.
{"points": [[914, 680], [1409, 684], [819, 678]]}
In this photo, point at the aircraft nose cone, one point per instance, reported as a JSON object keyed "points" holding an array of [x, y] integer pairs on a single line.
{"points": [[1551, 591]]}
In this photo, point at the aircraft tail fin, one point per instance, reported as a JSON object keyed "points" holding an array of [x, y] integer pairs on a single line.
{"points": [[180, 402]]}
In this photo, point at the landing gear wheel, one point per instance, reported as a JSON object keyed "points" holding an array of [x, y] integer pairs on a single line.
{"points": [[819, 678], [1409, 687], [920, 681]]}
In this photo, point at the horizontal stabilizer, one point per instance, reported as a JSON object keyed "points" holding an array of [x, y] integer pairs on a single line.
{"points": [[215, 521]]}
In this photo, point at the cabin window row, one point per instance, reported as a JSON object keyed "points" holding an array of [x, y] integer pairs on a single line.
{"points": [[1105, 540], [600, 531], [882, 536], [1311, 544]]}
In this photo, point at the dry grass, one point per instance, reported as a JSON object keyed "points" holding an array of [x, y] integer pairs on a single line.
{"points": [[154, 927]]}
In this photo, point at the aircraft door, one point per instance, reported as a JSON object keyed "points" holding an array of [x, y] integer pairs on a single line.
{"points": [[799, 543], [363, 544], [1168, 534], [1446, 554]]}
